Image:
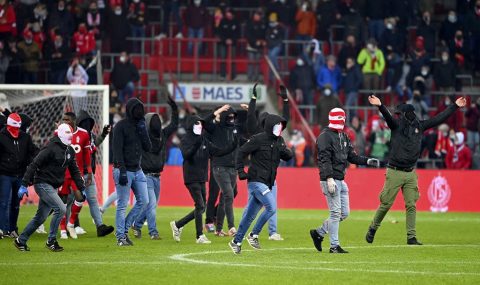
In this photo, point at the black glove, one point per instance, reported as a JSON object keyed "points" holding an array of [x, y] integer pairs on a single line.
{"points": [[123, 178], [242, 175], [106, 130], [254, 91], [142, 127], [373, 162], [80, 196], [172, 103], [283, 92]]}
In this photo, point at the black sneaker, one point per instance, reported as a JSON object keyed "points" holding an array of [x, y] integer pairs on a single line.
{"points": [[413, 241], [370, 234], [13, 234], [20, 246], [53, 245], [253, 241], [104, 230], [236, 248], [137, 233], [128, 240], [317, 239], [337, 249], [123, 242]]}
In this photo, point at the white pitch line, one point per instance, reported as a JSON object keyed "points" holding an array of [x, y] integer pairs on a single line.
{"points": [[185, 258]]}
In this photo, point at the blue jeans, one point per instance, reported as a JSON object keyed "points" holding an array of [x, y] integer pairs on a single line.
{"points": [[259, 195], [195, 34], [126, 93], [49, 200], [351, 102], [339, 207], [91, 192], [253, 69], [273, 54], [9, 203], [376, 28], [150, 213], [137, 32], [272, 222], [138, 183]]}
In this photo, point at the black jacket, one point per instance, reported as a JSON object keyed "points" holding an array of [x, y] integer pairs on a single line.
{"points": [[58, 63], [265, 150], [445, 74], [352, 80], [256, 123], [50, 164], [274, 36], [154, 160], [303, 77], [406, 138], [15, 154], [229, 29], [223, 133], [196, 150], [335, 151], [123, 73], [255, 32], [128, 145]]}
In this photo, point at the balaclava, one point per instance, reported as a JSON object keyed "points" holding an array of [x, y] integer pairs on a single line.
{"points": [[336, 118], [65, 134], [14, 122]]}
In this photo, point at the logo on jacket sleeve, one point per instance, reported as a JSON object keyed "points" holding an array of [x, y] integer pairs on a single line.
{"points": [[439, 193]]}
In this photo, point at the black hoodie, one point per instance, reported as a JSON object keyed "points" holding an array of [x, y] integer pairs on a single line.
{"points": [[50, 164], [95, 141], [154, 160], [196, 150], [15, 153], [128, 145], [223, 133], [256, 125], [265, 150]]}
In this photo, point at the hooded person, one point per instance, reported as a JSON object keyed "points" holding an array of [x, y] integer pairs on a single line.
{"points": [[265, 150], [86, 122], [130, 140], [405, 145], [47, 172], [153, 162], [17, 151], [334, 153], [196, 150], [459, 156]]}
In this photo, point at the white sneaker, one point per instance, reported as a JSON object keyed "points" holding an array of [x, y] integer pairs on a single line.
{"points": [[179, 36], [80, 231], [177, 232], [63, 235], [71, 231], [203, 240], [102, 210], [232, 231], [161, 36], [276, 237], [41, 229]]}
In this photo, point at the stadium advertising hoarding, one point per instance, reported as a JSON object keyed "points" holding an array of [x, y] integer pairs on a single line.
{"points": [[215, 93]]}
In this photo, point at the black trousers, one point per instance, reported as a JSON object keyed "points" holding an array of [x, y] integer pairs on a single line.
{"points": [[213, 191], [198, 193]]}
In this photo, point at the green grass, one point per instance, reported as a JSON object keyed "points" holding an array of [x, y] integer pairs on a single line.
{"points": [[451, 254]]}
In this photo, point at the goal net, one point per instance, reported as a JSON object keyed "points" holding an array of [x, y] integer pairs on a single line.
{"points": [[46, 104]]}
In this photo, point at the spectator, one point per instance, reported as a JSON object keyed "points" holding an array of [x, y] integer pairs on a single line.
{"points": [[76, 74], [4, 63], [421, 108], [375, 18], [391, 36], [473, 120], [459, 156], [313, 56], [285, 11], [394, 64], [449, 26], [445, 73], [455, 121], [360, 143], [94, 20], [326, 103], [373, 64], [137, 19], [8, 20], [171, 8], [380, 139], [349, 49], [459, 51], [421, 81], [404, 12], [229, 33], [196, 18], [418, 58], [14, 71], [30, 55], [302, 80], [473, 29], [40, 14], [350, 15], [255, 42], [306, 23], [428, 33], [123, 76], [297, 144], [443, 143], [330, 74], [84, 40], [58, 55], [118, 29], [327, 15], [38, 35], [351, 83], [274, 37], [61, 21]]}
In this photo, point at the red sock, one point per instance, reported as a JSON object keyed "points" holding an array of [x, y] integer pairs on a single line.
{"points": [[76, 208], [63, 223]]}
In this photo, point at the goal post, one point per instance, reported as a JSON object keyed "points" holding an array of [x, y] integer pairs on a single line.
{"points": [[46, 104]]}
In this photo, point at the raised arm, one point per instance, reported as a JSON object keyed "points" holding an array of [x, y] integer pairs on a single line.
{"points": [[252, 121], [391, 122], [440, 118], [173, 126], [286, 107]]}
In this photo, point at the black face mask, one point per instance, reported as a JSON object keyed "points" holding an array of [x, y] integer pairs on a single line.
{"points": [[416, 98], [155, 126], [230, 120], [86, 125], [410, 116], [138, 112]]}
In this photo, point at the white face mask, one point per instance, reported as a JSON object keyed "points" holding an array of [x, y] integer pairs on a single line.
{"points": [[123, 59], [197, 2], [370, 47], [300, 62], [64, 133], [424, 72], [197, 129], [452, 18], [304, 7], [277, 130], [445, 58], [118, 12], [327, 92], [389, 26]]}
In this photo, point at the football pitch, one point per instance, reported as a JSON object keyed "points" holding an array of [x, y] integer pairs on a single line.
{"points": [[450, 254]]}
